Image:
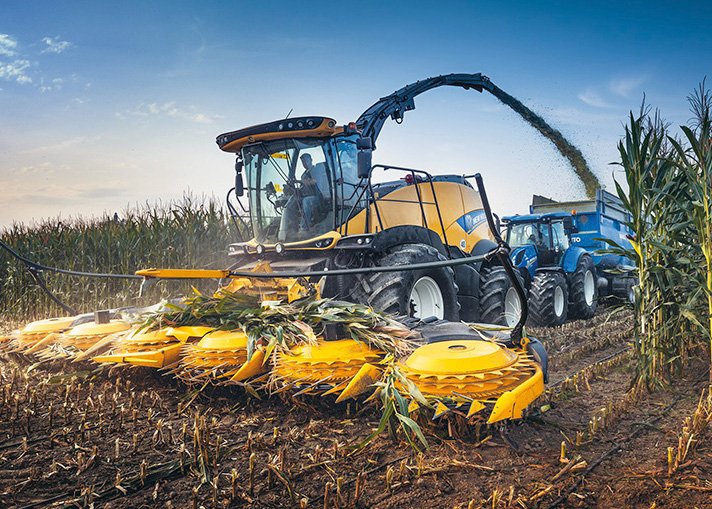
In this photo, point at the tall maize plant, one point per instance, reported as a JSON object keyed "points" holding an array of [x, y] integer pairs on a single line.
{"points": [[191, 233], [695, 166], [646, 173], [669, 199]]}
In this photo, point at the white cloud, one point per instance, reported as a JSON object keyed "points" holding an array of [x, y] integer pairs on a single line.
{"points": [[62, 145], [610, 94], [170, 110], [56, 84], [55, 45], [624, 86], [16, 71], [44, 169], [21, 68], [591, 97], [7, 45]]}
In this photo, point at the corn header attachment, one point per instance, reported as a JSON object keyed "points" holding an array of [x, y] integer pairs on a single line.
{"points": [[271, 332]]}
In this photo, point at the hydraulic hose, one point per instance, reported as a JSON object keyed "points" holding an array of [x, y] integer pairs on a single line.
{"points": [[502, 252], [36, 269]]}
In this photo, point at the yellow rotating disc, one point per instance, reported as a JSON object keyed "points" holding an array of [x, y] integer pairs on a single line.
{"points": [[459, 357], [471, 368]]}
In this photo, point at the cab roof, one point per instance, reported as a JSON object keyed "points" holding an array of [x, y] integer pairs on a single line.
{"points": [[298, 127], [535, 218]]}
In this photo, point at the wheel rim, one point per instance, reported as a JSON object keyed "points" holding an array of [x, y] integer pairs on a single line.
{"points": [[512, 308], [588, 287], [558, 301], [426, 299]]}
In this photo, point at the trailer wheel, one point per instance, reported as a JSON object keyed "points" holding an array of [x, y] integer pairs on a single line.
{"points": [[499, 301], [583, 295], [419, 293], [547, 299]]}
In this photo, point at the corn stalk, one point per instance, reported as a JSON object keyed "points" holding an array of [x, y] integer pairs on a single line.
{"points": [[191, 232], [669, 199], [695, 163]]}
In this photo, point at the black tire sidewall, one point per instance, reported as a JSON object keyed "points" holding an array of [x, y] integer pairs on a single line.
{"points": [[397, 300], [542, 295], [578, 307]]}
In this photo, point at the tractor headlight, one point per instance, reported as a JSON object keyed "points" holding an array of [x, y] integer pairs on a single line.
{"points": [[260, 249], [279, 248]]}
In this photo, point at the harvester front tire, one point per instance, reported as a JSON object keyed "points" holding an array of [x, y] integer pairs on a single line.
{"points": [[395, 292], [548, 297], [499, 301], [583, 294]]}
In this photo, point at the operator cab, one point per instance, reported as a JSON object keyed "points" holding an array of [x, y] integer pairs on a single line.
{"points": [[302, 177], [300, 188], [547, 234]]}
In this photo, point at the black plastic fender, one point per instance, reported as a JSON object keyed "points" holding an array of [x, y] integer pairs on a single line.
{"points": [[536, 349]]}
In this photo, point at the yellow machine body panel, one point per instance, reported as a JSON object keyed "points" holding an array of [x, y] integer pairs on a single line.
{"points": [[463, 219]]}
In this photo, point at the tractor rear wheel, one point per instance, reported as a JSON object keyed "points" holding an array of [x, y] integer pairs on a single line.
{"points": [[499, 301], [418, 293], [547, 299], [583, 296]]}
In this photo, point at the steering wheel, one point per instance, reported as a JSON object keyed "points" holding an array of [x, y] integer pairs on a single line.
{"points": [[293, 187]]}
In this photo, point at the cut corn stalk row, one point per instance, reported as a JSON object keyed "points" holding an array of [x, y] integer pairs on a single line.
{"points": [[283, 348]]}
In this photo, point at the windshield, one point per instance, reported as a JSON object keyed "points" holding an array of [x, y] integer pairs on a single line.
{"points": [[347, 174], [559, 237], [290, 189], [528, 233]]}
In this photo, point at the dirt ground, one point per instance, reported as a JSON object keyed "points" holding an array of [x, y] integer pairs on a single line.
{"points": [[74, 435]]}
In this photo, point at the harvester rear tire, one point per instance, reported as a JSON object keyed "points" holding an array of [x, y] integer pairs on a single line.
{"points": [[583, 293], [393, 292], [548, 297], [499, 302]]}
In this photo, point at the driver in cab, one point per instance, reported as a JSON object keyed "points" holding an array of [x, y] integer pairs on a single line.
{"points": [[314, 191]]}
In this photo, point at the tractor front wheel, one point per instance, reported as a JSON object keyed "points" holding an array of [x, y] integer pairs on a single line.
{"points": [[547, 299], [499, 301], [583, 296], [418, 293]]}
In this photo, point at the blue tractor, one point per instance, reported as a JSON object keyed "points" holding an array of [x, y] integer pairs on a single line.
{"points": [[555, 248]]}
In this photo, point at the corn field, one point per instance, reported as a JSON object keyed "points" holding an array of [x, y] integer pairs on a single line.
{"points": [[669, 195], [190, 233]]}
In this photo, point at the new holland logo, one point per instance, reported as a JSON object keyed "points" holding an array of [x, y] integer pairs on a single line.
{"points": [[472, 220]]}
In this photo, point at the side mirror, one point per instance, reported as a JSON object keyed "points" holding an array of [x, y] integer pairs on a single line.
{"points": [[365, 157], [239, 186], [570, 225], [364, 164]]}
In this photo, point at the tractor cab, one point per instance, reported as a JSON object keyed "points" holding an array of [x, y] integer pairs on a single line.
{"points": [[537, 240]]}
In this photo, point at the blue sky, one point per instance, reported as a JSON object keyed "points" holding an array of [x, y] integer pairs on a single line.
{"points": [[108, 105]]}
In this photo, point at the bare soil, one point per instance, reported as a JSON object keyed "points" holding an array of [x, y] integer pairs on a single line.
{"points": [[72, 435]]}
